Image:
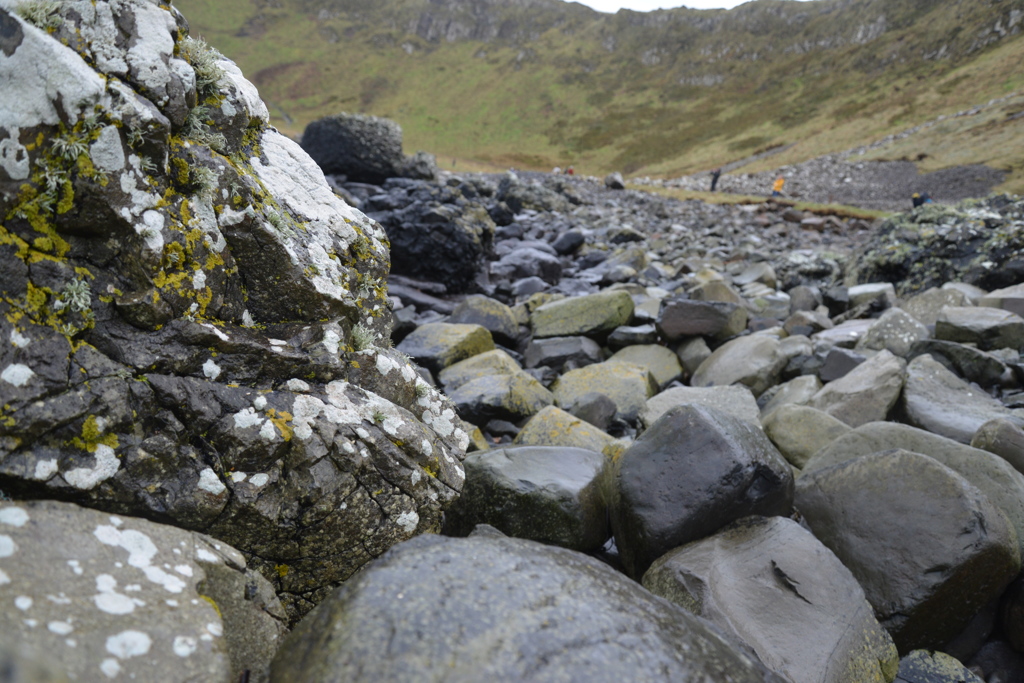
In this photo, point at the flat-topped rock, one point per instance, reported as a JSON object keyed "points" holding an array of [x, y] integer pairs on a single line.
{"points": [[662, 363], [592, 315], [628, 385], [737, 400], [435, 346], [989, 328]]}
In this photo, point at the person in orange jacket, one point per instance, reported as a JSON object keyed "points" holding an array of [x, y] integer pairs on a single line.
{"points": [[777, 187]]}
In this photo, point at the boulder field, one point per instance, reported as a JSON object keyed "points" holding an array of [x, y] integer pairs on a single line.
{"points": [[561, 431]]}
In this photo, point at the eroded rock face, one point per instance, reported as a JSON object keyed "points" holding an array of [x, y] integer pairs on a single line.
{"points": [[190, 316]]}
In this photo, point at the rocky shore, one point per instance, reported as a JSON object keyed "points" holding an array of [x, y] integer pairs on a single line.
{"points": [[520, 427]]}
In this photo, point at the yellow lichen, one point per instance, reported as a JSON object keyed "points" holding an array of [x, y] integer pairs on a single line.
{"points": [[281, 420]]}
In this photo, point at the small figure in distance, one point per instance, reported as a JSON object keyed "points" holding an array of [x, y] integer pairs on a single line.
{"points": [[714, 178], [777, 187], [919, 198], [570, 171]]}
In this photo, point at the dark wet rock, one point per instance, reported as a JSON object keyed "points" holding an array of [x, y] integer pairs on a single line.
{"points": [[688, 318], [899, 513], [594, 407], [838, 363], [396, 621], [557, 352], [773, 586], [550, 495], [528, 262], [105, 596], [614, 181], [693, 471], [630, 335], [364, 149], [568, 242], [435, 233]]}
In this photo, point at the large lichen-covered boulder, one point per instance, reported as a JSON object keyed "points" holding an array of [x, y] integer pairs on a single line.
{"points": [[189, 315], [106, 597]]}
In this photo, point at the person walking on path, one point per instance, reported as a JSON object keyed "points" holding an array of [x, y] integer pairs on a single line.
{"points": [[777, 187], [714, 178]]}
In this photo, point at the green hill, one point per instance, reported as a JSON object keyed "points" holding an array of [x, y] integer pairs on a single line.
{"points": [[543, 83]]}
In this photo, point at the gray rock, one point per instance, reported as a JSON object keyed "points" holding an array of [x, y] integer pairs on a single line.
{"points": [[799, 432], [592, 315], [867, 393], [968, 362], [595, 408], [514, 397], [105, 596], [995, 477], [366, 149], [494, 316], [419, 166], [628, 385], [486, 364], [846, 334], [662, 363], [1003, 438], [838, 363], [1009, 299], [926, 306], [926, 545], [632, 335], [871, 291], [692, 352], [896, 331], [556, 352], [989, 328], [937, 400], [681, 318], [773, 586], [436, 346], [614, 181], [693, 471], [550, 495], [496, 608], [735, 400], [798, 391], [528, 262], [555, 427], [755, 361]]}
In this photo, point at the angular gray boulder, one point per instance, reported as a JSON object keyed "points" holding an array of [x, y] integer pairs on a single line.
{"points": [[755, 360], [937, 400], [927, 546], [693, 471], [107, 596], [772, 585], [867, 393], [550, 495], [493, 608]]}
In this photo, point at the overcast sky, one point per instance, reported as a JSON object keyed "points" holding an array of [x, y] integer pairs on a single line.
{"points": [[647, 5]]}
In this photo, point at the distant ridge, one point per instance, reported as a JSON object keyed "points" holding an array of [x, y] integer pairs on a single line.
{"points": [[539, 83]]}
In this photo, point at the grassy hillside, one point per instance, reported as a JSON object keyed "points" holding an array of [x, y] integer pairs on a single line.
{"points": [[540, 83]]}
